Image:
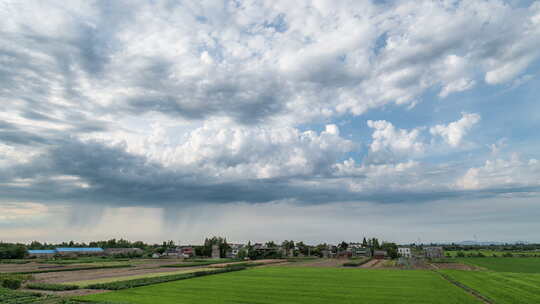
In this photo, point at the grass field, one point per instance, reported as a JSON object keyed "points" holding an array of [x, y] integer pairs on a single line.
{"points": [[299, 285], [525, 265], [132, 277], [501, 287], [490, 253]]}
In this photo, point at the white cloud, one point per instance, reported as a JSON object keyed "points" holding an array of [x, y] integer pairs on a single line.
{"points": [[454, 132], [286, 61], [227, 150], [501, 173], [387, 138]]}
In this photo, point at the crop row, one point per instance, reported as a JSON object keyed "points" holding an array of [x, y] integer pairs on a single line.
{"points": [[74, 269]]}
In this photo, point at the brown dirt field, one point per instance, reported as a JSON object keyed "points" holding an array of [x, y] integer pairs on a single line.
{"points": [[454, 266], [318, 263], [268, 261]]}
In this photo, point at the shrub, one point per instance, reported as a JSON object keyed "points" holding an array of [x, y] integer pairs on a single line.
{"points": [[54, 287], [460, 254], [11, 283]]}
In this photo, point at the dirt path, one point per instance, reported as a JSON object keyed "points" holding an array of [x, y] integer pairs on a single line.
{"points": [[371, 264]]}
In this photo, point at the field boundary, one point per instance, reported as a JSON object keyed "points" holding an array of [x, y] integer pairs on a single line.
{"points": [[466, 288]]}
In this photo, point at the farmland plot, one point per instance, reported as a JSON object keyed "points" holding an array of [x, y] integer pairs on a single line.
{"points": [[299, 285], [525, 265], [501, 287]]}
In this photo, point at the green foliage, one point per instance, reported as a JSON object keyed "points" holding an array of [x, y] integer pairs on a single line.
{"points": [[220, 241], [8, 296], [49, 286], [12, 281], [12, 251], [155, 280], [299, 285], [391, 249]]}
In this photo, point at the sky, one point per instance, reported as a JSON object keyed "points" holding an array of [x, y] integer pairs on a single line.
{"points": [[318, 121]]}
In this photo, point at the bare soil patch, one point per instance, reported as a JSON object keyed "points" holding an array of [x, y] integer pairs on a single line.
{"points": [[456, 266], [318, 263], [371, 264]]}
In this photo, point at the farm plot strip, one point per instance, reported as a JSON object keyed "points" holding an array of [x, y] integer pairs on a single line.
{"points": [[131, 277], [466, 288], [72, 269], [500, 287], [299, 285]]}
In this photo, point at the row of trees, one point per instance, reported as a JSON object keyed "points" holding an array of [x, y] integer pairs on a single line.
{"points": [[287, 247]]}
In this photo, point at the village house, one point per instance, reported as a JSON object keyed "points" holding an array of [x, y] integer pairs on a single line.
{"points": [[123, 251], [434, 252], [48, 253], [380, 254], [234, 250], [79, 251], [404, 252]]}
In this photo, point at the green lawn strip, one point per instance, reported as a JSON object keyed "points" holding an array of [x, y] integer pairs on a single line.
{"points": [[525, 265], [490, 253], [500, 287], [311, 285], [82, 284], [73, 269], [160, 279]]}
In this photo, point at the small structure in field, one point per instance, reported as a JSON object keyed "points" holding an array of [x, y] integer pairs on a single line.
{"points": [[434, 252], [173, 253], [404, 252], [187, 251], [380, 254], [123, 251], [44, 253], [235, 250], [215, 252], [79, 251]]}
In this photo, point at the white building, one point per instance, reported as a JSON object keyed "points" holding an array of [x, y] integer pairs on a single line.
{"points": [[404, 252]]}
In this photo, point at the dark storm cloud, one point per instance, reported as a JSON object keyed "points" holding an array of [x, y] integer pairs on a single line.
{"points": [[117, 178]]}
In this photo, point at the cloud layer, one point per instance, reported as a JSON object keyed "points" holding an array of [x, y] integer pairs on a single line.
{"points": [[183, 103]]}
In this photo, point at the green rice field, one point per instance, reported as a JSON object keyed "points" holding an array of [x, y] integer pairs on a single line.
{"points": [[490, 253], [525, 265], [299, 285], [501, 287]]}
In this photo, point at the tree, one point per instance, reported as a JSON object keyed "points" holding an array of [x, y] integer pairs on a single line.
{"points": [[343, 245], [220, 241], [391, 249], [364, 243], [270, 244]]}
